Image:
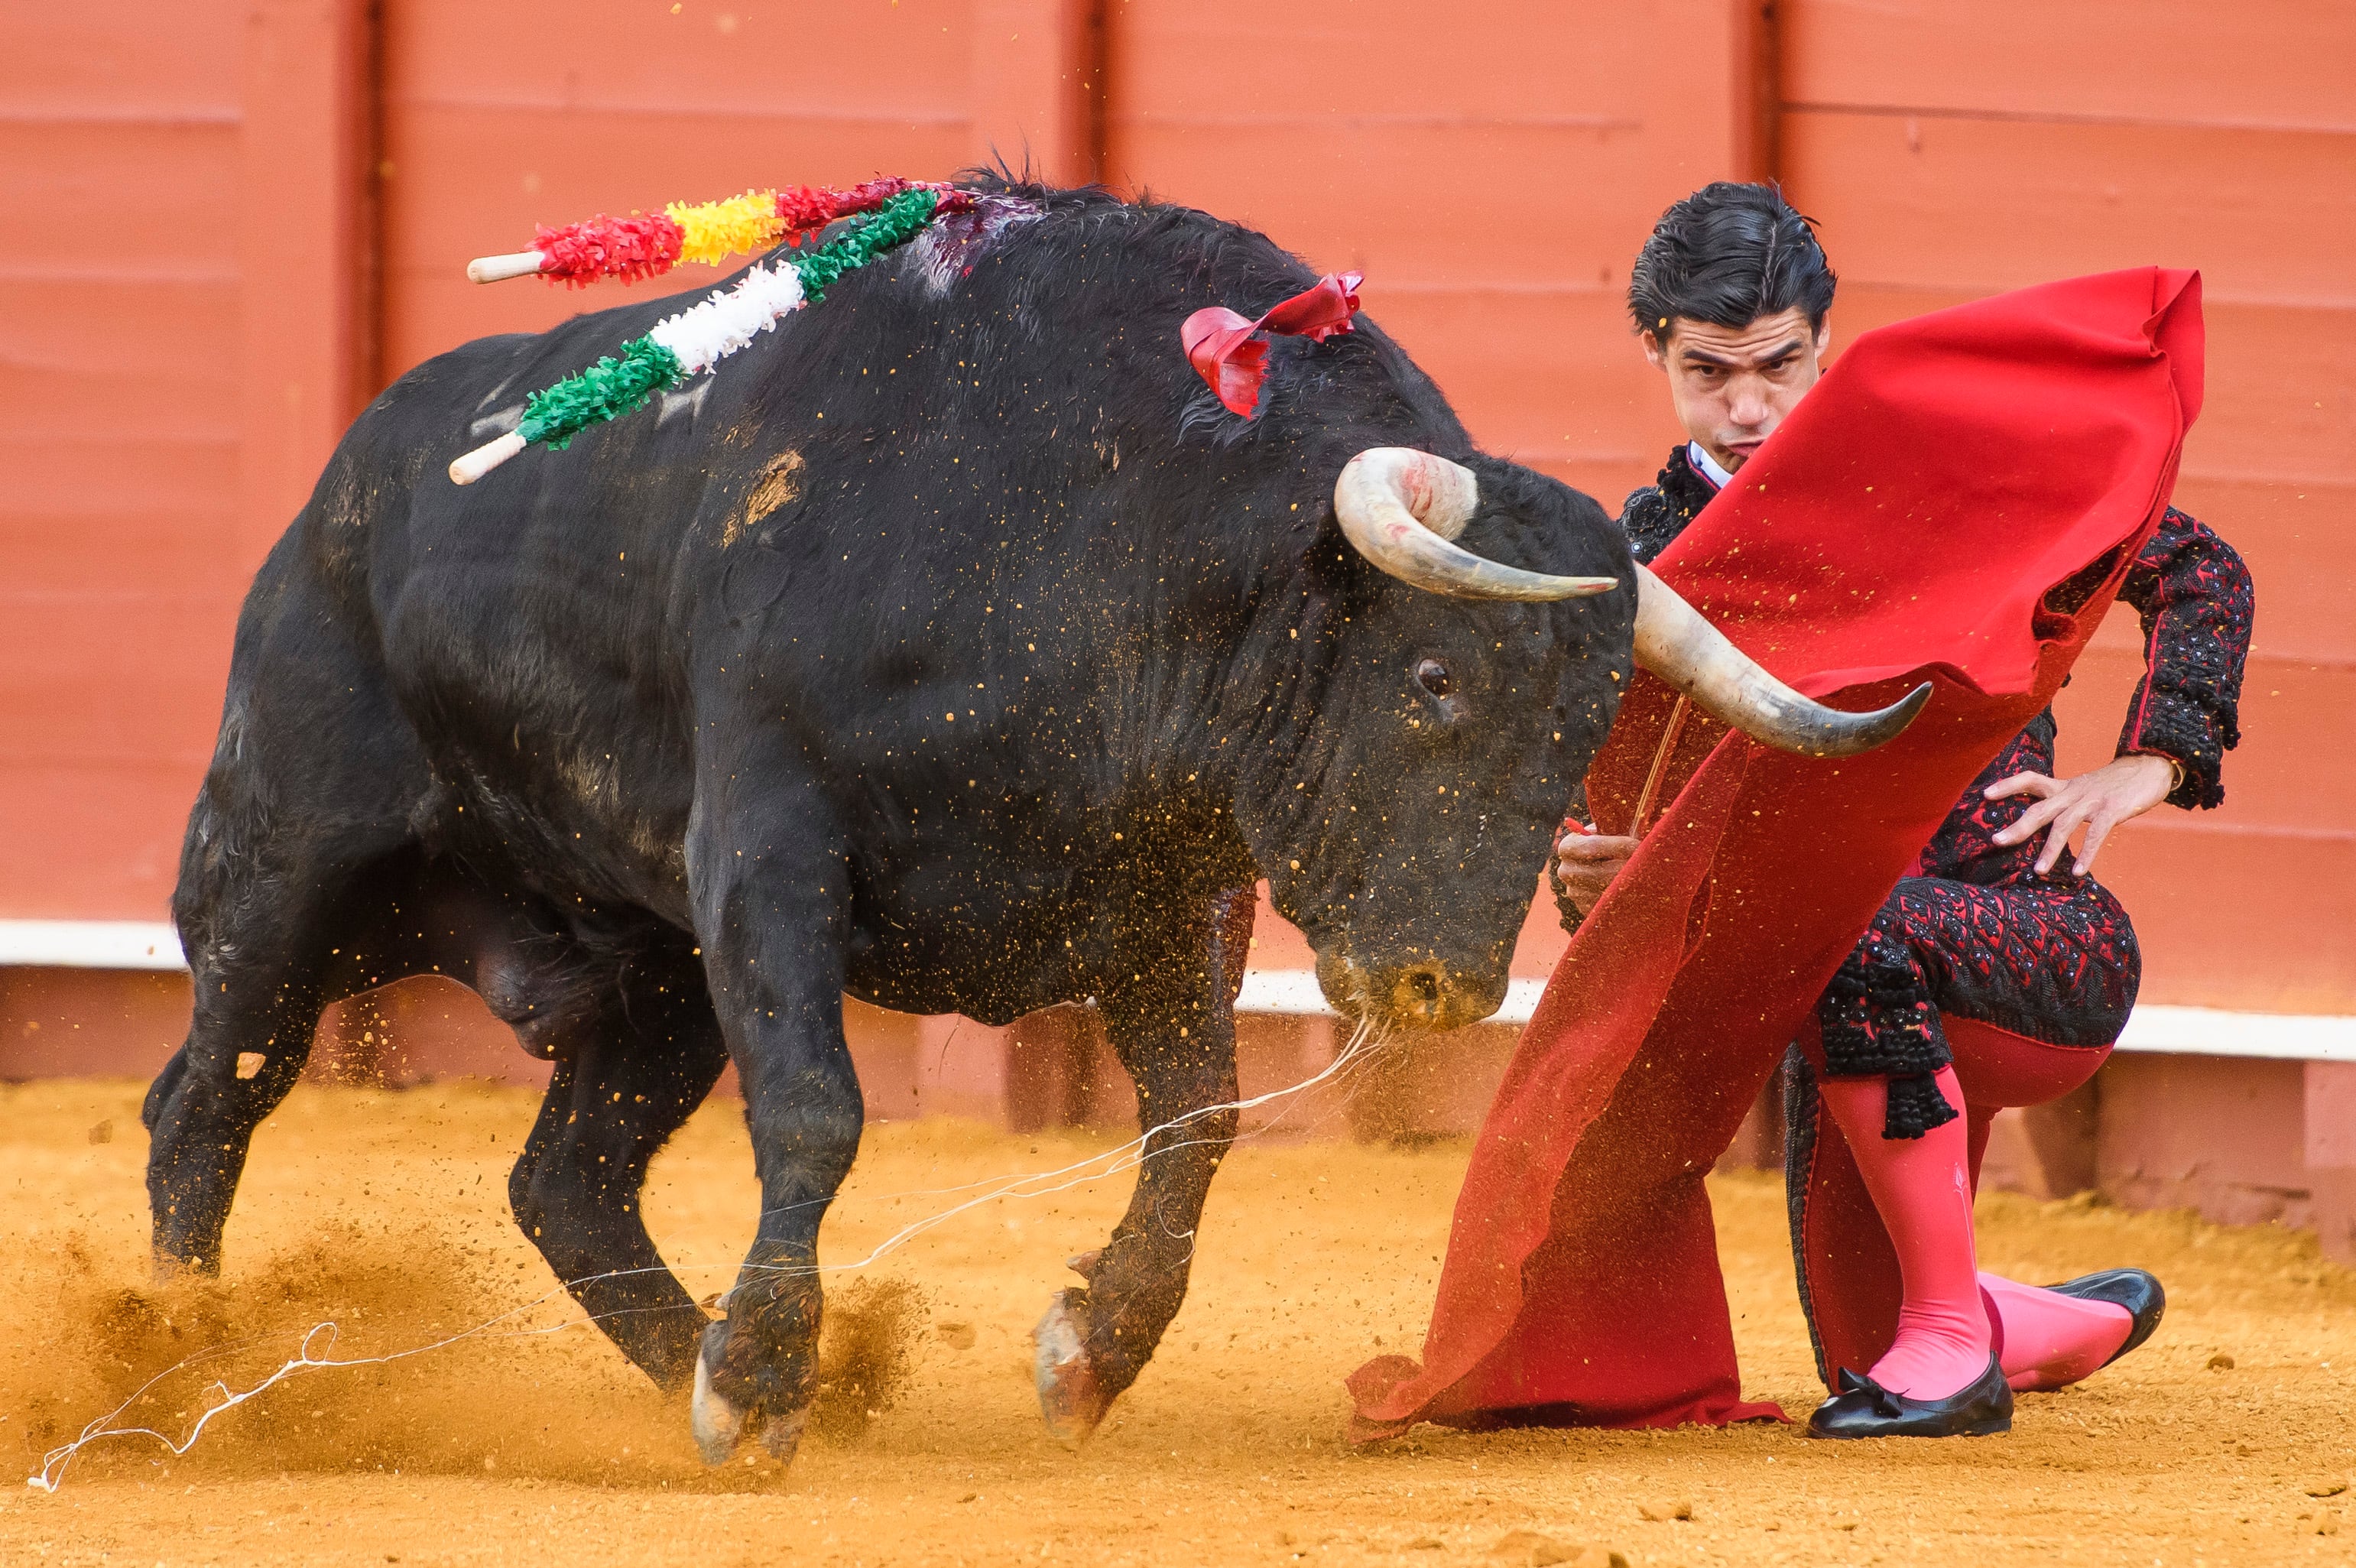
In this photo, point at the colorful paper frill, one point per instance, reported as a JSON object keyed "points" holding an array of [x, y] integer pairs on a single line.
{"points": [[697, 338], [624, 248], [647, 244], [1225, 348]]}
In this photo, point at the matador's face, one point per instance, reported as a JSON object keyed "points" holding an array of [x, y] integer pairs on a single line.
{"points": [[1733, 385]]}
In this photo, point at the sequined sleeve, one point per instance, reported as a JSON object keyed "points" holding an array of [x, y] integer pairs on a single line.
{"points": [[2197, 603]]}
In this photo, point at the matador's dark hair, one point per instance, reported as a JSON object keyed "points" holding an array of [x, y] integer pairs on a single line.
{"points": [[1729, 255]]}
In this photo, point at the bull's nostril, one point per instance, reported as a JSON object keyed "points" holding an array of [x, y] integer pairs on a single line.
{"points": [[1425, 984]]}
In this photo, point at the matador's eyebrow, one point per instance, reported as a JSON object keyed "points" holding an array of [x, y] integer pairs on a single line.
{"points": [[1693, 355]]}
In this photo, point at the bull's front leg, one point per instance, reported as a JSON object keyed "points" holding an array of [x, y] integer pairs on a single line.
{"points": [[770, 896], [1174, 1028]]}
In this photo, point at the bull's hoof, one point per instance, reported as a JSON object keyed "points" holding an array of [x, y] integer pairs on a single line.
{"points": [[1070, 1398], [719, 1425]]}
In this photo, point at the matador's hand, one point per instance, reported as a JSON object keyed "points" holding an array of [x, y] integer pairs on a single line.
{"points": [[1585, 864], [2097, 802]]}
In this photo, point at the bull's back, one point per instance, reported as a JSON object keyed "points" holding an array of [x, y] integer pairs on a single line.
{"points": [[989, 474]]}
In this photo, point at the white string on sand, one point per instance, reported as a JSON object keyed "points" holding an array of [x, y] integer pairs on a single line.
{"points": [[53, 1463], [1115, 1160], [1128, 1157]]}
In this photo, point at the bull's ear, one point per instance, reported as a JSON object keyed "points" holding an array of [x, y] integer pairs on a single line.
{"points": [[1322, 551], [1332, 579], [1307, 515]]}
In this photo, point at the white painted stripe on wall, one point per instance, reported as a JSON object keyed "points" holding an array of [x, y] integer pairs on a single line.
{"points": [[91, 944], [2154, 1029], [2217, 1032]]}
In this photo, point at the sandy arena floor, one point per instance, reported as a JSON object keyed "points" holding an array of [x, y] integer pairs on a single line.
{"points": [[534, 1441]]}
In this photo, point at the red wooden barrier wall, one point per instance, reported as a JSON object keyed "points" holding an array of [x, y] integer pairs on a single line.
{"points": [[229, 221], [1954, 151]]}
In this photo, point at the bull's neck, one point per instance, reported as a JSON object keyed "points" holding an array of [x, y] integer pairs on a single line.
{"points": [[1211, 673], [1244, 729]]}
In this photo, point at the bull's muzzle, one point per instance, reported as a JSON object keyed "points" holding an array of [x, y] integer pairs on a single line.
{"points": [[1422, 994]]}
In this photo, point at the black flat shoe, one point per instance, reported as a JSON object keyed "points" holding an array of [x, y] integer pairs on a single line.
{"points": [[1864, 1408], [2134, 1289]]}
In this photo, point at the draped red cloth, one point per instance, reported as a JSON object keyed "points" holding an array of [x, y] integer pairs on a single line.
{"points": [[1909, 521]]}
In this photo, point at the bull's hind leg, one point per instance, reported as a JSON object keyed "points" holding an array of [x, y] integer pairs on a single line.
{"points": [[1174, 1030], [305, 808], [622, 1085], [258, 999]]}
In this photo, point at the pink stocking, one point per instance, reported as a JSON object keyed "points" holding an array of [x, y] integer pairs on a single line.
{"points": [[1921, 1189], [2047, 1341]]}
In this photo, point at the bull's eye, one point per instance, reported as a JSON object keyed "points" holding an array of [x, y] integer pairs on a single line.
{"points": [[1432, 676]]}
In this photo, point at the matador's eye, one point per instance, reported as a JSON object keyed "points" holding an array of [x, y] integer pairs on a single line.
{"points": [[1432, 676]]}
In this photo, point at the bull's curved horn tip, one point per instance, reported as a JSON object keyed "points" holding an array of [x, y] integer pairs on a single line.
{"points": [[473, 466], [1868, 730]]}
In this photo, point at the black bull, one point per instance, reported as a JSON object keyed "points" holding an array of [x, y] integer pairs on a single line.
{"points": [[950, 648]]}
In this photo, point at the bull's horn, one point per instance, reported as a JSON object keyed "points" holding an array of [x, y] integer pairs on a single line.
{"points": [[1676, 644], [1403, 510]]}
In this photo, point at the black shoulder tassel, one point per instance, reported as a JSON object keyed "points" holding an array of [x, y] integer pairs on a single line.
{"points": [[1878, 1021], [1915, 1106]]}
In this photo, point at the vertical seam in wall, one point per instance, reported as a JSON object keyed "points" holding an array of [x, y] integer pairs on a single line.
{"points": [[368, 217], [1763, 37], [1095, 87]]}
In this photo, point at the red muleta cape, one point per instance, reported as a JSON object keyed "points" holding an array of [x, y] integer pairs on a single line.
{"points": [[1907, 524]]}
